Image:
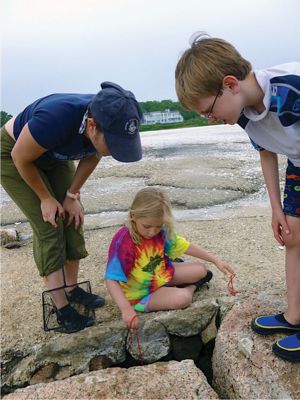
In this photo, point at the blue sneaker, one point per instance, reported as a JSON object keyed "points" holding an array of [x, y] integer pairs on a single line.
{"points": [[270, 324], [288, 348]]}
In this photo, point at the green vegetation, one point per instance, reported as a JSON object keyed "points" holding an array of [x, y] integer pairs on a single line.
{"points": [[150, 106], [184, 124], [4, 117], [189, 118]]}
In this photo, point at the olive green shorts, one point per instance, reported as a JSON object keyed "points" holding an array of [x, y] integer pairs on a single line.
{"points": [[50, 247]]}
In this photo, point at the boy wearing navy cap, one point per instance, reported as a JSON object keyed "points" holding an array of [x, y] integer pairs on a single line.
{"points": [[38, 147]]}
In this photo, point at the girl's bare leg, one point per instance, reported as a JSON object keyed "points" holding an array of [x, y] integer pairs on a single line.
{"points": [[188, 272], [171, 298]]}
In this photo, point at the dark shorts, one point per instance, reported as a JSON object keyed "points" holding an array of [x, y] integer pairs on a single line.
{"points": [[57, 176], [291, 197]]}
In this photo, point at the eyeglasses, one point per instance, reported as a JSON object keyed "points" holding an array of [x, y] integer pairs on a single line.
{"points": [[210, 112]]}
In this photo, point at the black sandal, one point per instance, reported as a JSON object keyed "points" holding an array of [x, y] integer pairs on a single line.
{"points": [[204, 280], [199, 283]]}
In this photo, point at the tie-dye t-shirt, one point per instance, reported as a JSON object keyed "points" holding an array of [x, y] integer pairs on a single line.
{"points": [[142, 268]]}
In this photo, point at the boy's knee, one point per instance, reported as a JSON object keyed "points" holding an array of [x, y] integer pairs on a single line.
{"points": [[292, 240]]}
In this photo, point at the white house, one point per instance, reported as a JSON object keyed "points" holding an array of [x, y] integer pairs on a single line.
{"points": [[162, 117]]}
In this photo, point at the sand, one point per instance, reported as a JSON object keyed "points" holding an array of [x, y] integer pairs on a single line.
{"points": [[219, 200]]}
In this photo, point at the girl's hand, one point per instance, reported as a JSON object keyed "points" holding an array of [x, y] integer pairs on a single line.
{"points": [[279, 224], [224, 267], [75, 211], [50, 207], [127, 316]]}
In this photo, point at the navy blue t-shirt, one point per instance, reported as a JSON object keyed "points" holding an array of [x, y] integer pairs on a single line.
{"points": [[54, 122]]}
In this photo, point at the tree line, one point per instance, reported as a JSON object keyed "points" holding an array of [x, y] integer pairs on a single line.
{"points": [[190, 118]]}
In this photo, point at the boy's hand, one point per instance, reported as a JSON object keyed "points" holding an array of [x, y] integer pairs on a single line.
{"points": [[127, 316], [279, 224], [224, 267]]}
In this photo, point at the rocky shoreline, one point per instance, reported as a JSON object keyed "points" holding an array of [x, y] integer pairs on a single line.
{"points": [[219, 198]]}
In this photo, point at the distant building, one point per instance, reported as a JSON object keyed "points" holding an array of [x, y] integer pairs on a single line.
{"points": [[162, 117]]}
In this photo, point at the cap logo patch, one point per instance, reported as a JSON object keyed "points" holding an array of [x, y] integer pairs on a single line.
{"points": [[131, 126]]}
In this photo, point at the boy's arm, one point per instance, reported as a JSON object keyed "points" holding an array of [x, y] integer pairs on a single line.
{"points": [[269, 164], [114, 289], [197, 251], [84, 169]]}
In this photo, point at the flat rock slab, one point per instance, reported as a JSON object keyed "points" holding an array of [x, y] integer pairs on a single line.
{"points": [[243, 363], [169, 380]]}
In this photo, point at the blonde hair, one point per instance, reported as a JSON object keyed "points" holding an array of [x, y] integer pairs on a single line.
{"points": [[202, 67], [154, 203]]}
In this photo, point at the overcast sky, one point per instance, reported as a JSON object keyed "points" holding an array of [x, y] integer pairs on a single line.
{"points": [[52, 46]]}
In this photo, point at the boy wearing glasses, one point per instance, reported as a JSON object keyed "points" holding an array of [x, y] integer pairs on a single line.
{"points": [[213, 79]]}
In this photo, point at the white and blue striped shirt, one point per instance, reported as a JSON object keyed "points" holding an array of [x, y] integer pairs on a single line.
{"points": [[277, 129]]}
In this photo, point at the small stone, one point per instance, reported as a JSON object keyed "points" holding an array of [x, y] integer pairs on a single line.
{"points": [[99, 362], [8, 235], [12, 245], [245, 346], [63, 373], [44, 374]]}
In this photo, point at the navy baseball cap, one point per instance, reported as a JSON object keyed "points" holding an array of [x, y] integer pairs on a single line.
{"points": [[118, 113]]}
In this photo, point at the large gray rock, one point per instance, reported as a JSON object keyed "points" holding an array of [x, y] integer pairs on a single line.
{"points": [[72, 353], [172, 380], [102, 346], [190, 321], [150, 343], [243, 363]]}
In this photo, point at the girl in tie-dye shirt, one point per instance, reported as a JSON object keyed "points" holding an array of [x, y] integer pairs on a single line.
{"points": [[140, 274]]}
